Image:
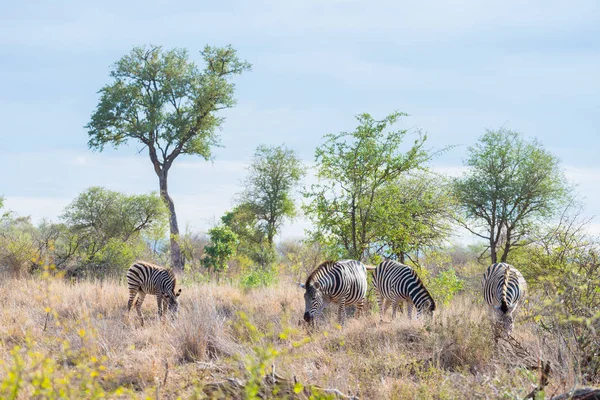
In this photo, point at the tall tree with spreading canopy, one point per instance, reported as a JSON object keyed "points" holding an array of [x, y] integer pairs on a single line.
{"points": [[352, 168], [273, 174], [163, 100], [510, 186]]}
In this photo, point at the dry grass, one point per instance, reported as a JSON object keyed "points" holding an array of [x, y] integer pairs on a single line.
{"points": [[222, 329]]}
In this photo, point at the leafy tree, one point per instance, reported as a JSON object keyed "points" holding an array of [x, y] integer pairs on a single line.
{"points": [[511, 185], [101, 222], [413, 213], [221, 248], [252, 238], [244, 223], [273, 174], [18, 252], [103, 214], [163, 100], [352, 168]]}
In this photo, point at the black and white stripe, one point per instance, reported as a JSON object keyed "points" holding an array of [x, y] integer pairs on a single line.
{"points": [[145, 278], [341, 282], [503, 289], [395, 282]]}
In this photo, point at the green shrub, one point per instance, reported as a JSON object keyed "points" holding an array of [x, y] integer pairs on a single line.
{"points": [[445, 286], [258, 277]]}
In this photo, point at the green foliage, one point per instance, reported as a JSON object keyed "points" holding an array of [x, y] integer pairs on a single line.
{"points": [[105, 214], [273, 174], [162, 99], [31, 373], [221, 248], [414, 212], [116, 256], [300, 257], [253, 242], [106, 228], [258, 277], [445, 286], [511, 184], [352, 168]]}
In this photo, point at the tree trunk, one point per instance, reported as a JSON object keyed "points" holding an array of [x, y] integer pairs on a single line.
{"points": [[507, 245], [493, 252], [176, 261]]}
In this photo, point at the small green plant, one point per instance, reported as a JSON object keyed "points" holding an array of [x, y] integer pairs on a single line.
{"points": [[258, 277], [445, 286]]}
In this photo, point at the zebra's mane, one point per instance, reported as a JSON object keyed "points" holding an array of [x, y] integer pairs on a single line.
{"points": [[420, 282], [503, 304], [149, 264], [312, 276]]}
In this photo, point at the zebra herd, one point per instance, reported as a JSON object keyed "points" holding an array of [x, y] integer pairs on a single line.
{"points": [[344, 283]]}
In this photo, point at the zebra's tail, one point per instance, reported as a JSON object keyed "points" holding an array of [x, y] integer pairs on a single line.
{"points": [[503, 304]]}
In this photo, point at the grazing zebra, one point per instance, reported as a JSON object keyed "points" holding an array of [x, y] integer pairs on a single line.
{"points": [[503, 288], [395, 282], [341, 282], [144, 278]]}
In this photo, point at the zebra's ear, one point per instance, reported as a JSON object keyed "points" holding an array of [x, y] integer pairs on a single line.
{"points": [[178, 293]]}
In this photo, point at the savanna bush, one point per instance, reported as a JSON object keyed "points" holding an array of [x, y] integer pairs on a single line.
{"points": [[445, 286], [258, 277]]}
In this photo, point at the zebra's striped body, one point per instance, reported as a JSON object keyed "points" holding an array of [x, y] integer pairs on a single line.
{"points": [[503, 289], [341, 282], [395, 282], [145, 278]]}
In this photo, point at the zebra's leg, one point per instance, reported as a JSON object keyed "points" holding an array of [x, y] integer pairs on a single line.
{"points": [[159, 302], [394, 307], [138, 305], [410, 310], [342, 311], [386, 305], [132, 294], [380, 303], [359, 308]]}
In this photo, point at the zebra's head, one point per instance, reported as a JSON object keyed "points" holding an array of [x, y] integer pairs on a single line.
{"points": [[313, 300], [427, 308], [172, 300]]}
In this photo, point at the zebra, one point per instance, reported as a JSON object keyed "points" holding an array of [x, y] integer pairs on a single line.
{"points": [[395, 282], [503, 289], [145, 278], [341, 282]]}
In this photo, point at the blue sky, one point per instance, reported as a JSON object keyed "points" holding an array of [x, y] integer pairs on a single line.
{"points": [[456, 67]]}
